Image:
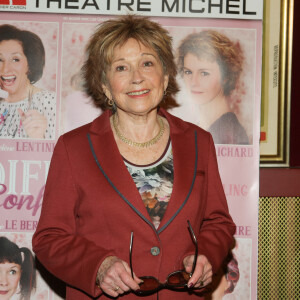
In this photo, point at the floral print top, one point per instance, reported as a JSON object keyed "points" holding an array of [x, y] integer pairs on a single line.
{"points": [[155, 183]]}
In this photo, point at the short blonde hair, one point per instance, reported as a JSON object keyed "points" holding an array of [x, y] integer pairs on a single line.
{"points": [[213, 45], [116, 32]]}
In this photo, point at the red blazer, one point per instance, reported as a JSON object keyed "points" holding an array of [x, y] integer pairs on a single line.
{"points": [[91, 205]]}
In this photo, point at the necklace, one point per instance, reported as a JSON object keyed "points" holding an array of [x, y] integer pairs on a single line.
{"points": [[136, 144]]}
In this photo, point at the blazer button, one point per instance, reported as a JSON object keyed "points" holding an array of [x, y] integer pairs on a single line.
{"points": [[155, 251]]}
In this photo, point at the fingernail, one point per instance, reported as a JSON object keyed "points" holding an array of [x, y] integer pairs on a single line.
{"points": [[190, 285]]}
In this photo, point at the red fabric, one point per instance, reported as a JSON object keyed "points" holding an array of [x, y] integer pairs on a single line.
{"points": [[84, 220]]}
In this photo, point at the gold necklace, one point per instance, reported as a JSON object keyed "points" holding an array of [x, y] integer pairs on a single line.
{"points": [[136, 144]]}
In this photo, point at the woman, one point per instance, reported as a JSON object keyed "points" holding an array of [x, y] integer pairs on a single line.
{"points": [[133, 174], [210, 65], [26, 111], [17, 272]]}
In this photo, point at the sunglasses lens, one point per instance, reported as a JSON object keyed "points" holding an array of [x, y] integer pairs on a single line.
{"points": [[149, 283], [179, 278]]}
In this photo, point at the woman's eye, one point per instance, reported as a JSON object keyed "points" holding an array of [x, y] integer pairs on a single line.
{"points": [[148, 63], [16, 59], [187, 72], [204, 73], [12, 272], [120, 68]]}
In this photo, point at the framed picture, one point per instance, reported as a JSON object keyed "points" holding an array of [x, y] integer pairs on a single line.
{"points": [[276, 83]]}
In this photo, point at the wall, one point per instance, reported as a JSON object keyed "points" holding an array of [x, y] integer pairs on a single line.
{"points": [[286, 181]]}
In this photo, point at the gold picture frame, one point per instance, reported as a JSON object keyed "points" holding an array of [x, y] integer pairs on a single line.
{"points": [[276, 83]]}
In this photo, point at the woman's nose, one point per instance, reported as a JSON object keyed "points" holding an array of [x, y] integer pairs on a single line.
{"points": [[3, 279], [5, 67], [196, 80], [137, 76]]}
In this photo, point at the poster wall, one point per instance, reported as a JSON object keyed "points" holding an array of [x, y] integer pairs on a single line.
{"points": [[62, 106]]}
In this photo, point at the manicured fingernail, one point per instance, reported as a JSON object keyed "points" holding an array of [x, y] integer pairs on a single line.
{"points": [[190, 285]]}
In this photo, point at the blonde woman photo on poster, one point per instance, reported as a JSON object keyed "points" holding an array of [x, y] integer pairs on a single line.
{"points": [[210, 65], [17, 271], [26, 111]]}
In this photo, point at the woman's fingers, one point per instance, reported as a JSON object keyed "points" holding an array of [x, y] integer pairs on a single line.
{"points": [[21, 114], [34, 123], [114, 277], [202, 275]]}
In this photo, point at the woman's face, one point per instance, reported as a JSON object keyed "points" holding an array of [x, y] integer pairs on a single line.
{"points": [[136, 81], [202, 78], [13, 68], [10, 274]]}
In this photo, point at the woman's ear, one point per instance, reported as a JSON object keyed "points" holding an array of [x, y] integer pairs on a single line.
{"points": [[166, 81], [107, 92]]}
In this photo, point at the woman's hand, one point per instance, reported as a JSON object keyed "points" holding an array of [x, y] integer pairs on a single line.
{"points": [[114, 277], [203, 272], [34, 123]]}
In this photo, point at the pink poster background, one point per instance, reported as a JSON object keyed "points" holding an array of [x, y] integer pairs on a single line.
{"points": [[24, 163]]}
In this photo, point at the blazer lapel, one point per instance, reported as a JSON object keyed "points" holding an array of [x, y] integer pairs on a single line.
{"points": [[112, 166], [110, 163], [185, 164]]}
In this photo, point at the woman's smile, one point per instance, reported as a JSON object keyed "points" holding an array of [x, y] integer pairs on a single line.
{"points": [[8, 80], [138, 93]]}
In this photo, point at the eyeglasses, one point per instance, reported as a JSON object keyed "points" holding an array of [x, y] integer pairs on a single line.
{"points": [[176, 280]]}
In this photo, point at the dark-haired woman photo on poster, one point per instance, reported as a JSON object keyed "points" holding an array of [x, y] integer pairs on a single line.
{"points": [[27, 111]]}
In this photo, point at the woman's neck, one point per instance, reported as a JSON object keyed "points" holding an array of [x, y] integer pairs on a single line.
{"points": [[138, 128], [210, 112], [151, 129]]}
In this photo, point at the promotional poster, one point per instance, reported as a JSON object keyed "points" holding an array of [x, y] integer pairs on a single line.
{"points": [[57, 97]]}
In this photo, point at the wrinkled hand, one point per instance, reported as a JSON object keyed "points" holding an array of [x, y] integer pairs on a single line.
{"points": [[114, 277], [34, 123], [203, 272]]}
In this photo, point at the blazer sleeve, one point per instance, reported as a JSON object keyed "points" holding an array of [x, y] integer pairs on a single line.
{"points": [[217, 228], [70, 257]]}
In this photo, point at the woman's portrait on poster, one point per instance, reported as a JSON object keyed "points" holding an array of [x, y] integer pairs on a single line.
{"points": [[26, 111], [210, 65], [17, 271]]}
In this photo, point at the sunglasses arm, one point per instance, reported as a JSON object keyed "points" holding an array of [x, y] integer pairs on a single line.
{"points": [[196, 247], [130, 254]]}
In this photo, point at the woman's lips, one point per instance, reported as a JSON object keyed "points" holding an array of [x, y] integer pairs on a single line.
{"points": [[196, 92], [138, 93], [8, 80], [3, 292]]}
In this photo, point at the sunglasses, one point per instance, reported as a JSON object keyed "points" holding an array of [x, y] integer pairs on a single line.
{"points": [[177, 280]]}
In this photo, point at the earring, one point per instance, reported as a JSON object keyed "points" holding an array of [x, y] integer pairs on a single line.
{"points": [[110, 102], [165, 92]]}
